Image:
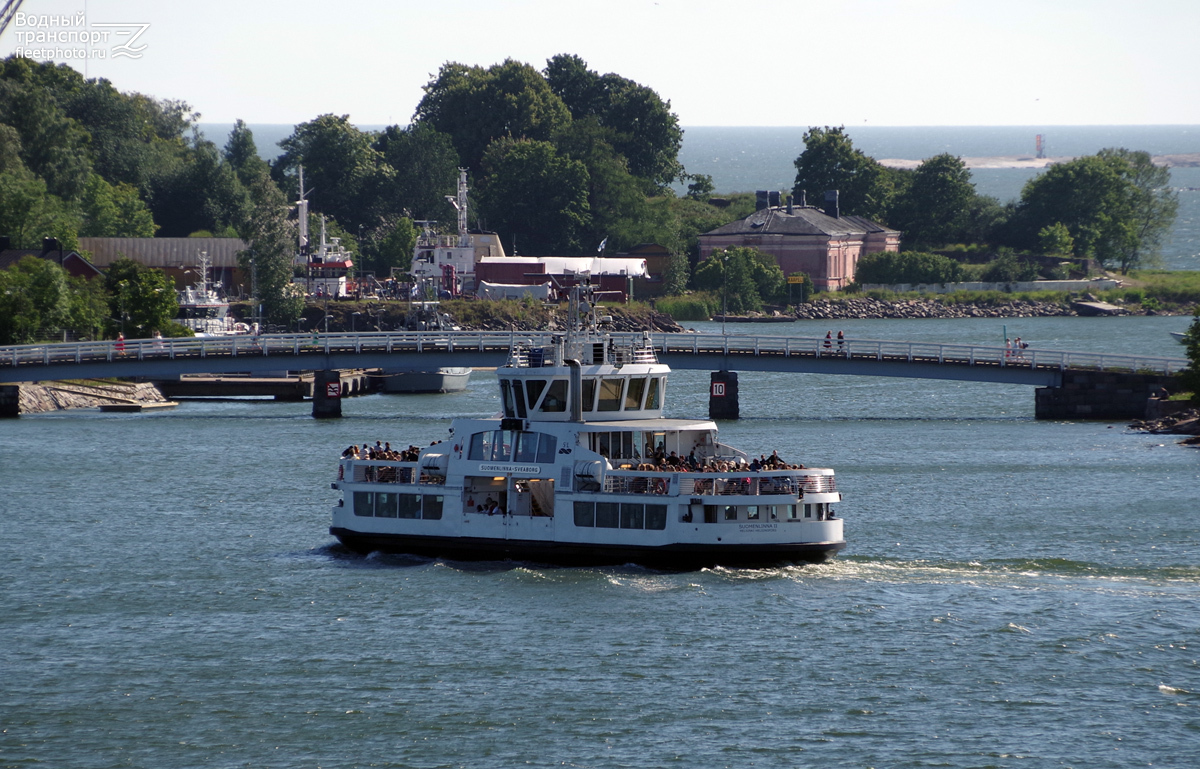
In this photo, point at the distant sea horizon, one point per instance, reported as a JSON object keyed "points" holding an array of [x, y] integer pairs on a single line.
{"points": [[748, 158]]}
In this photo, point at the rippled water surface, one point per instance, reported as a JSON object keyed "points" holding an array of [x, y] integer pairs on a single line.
{"points": [[1015, 593]]}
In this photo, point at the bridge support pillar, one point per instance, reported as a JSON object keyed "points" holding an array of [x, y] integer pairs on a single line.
{"points": [[10, 401], [327, 395], [723, 395], [1109, 395]]}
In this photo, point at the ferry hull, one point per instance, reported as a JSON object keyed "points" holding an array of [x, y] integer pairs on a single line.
{"points": [[673, 557]]}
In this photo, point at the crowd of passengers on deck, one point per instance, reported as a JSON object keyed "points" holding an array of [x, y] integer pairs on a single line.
{"points": [[662, 461], [384, 451]]}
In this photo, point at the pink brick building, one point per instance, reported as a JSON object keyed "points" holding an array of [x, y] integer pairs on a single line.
{"points": [[806, 239]]}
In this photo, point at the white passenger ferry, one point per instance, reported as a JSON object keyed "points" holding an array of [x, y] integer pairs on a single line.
{"points": [[582, 469]]}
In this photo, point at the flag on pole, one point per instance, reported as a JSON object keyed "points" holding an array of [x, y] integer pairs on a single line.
{"points": [[603, 243]]}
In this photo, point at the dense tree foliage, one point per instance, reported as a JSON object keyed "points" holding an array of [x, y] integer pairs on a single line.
{"points": [[830, 162], [1190, 378], [743, 277], [907, 267], [535, 196], [425, 169], [476, 106], [272, 243], [935, 207], [1115, 205], [142, 300]]}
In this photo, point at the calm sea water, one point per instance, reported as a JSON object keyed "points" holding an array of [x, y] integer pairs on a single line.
{"points": [[1015, 593]]}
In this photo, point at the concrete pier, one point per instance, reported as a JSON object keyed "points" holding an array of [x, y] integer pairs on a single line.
{"points": [[723, 395], [327, 395], [1111, 395]]}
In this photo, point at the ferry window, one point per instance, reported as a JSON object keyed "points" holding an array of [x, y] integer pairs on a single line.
{"points": [[632, 516], [602, 446], [752, 512], [791, 512], [385, 505], [364, 503], [656, 517], [432, 508], [589, 395], [633, 397], [610, 394], [556, 397], [502, 441], [652, 400], [626, 446], [519, 397], [507, 398], [710, 513], [410, 505], [607, 515], [481, 447], [534, 387], [808, 511], [731, 512], [546, 446], [527, 446], [585, 514]]}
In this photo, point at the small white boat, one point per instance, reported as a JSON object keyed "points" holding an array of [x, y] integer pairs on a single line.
{"points": [[583, 469], [1179, 336]]}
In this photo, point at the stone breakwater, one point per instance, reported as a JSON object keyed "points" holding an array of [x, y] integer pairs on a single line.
{"points": [[57, 396], [866, 308], [1185, 422]]}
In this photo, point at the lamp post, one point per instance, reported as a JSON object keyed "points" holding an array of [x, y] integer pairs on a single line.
{"points": [[354, 316], [724, 289], [327, 318]]}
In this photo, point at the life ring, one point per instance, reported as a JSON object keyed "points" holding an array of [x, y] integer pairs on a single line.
{"points": [[659, 486]]}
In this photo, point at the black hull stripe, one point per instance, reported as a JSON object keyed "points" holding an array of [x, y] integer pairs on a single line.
{"points": [[678, 556]]}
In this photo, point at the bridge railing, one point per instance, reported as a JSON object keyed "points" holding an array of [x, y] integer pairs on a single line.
{"points": [[911, 352], [306, 345]]}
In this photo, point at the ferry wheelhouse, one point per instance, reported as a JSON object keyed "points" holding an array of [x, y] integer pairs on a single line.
{"points": [[581, 468]]}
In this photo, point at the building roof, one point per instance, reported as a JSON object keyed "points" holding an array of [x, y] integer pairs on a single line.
{"points": [[70, 261], [804, 220], [164, 252]]}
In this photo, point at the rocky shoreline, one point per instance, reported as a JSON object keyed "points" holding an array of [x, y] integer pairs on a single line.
{"points": [[44, 397], [865, 308], [1181, 423]]}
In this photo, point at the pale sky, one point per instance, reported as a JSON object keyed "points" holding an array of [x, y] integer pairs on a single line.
{"points": [[719, 62]]}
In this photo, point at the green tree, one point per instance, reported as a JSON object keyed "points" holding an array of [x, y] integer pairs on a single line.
{"points": [[270, 256], [890, 268], [53, 146], [615, 197], [1189, 379], [1114, 204], [643, 129], [1055, 240], [935, 207], [678, 273], [394, 245], [476, 106], [346, 174], [730, 274], [241, 154], [141, 299], [198, 192], [425, 166], [114, 212], [29, 213], [89, 312], [34, 298], [830, 162], [1150, 205], [536, 196], [1007, 268]]}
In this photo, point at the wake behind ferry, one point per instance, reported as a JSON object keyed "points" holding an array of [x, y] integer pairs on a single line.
{"points": [[581, 468]]}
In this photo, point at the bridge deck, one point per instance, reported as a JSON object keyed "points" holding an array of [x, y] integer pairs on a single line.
{"points": [[168, 358]]}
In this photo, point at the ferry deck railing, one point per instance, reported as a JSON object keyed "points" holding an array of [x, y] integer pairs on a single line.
{"points": [[300, 346], [726, 483]]}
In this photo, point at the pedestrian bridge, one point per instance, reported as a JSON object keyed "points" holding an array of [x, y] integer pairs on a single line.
{"points": [[170, 358]]}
